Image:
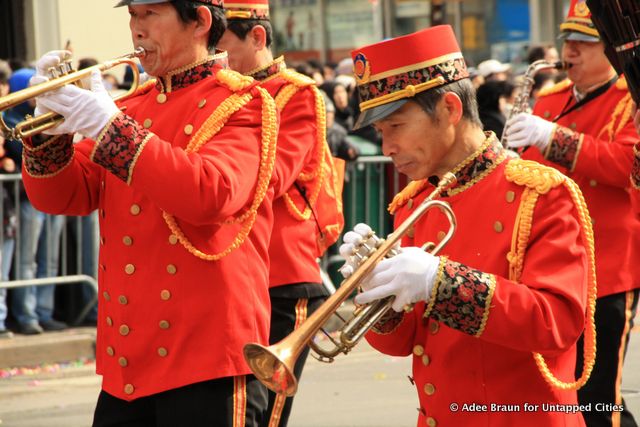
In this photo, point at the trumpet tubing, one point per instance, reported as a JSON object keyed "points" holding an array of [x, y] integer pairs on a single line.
{"points": [[32, 126], [273, 365]]}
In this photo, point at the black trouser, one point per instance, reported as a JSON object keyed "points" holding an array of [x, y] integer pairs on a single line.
{"points": [[614, 320], [286, 315], [213, 403]]}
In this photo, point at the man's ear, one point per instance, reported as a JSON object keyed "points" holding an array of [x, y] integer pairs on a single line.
{"points": [[453, 106], [258, 37], [204, 22]]}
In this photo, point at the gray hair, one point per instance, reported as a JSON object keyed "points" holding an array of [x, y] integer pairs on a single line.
{"points": [[463, 88]]}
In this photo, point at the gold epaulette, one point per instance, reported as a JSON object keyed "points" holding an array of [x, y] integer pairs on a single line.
{"points": [[556, 88], [408, 192], [233, 80], [300, 80], [533, 175]]}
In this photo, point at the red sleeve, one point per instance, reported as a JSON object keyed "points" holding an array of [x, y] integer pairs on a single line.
{"points": [[605, 161], [59, 177]]}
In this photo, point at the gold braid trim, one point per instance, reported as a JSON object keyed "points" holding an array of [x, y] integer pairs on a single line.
{"points": [[622, 114], [557, 88], [211, 127], [233, 80], [436, 286], [297, 79], [519, 171], [322, 149]]}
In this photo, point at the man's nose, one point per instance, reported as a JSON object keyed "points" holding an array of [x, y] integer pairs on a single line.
{"points": [[388, 148]]}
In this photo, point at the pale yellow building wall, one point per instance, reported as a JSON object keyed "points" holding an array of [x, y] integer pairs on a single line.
{"points": [[94, 27]]}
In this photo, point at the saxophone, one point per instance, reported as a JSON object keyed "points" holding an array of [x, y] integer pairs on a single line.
{"points": [[521, 105]]}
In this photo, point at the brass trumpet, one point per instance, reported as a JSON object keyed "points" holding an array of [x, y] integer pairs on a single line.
{"points": [[60, 76], [273, 365]]}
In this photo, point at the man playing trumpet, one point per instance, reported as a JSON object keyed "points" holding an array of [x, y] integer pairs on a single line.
{"points": [[498, 314], [182, 180]]}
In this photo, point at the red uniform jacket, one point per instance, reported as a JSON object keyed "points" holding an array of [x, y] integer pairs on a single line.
{"points": [[474, 342], [594, 146], [168, 318], [302, 148]]}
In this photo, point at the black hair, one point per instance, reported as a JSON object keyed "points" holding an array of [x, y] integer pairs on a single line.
{"points": [[428, 100], [489, 94], [188, 12], [241, 27]]}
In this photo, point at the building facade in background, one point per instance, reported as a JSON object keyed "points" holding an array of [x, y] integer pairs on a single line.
{"points": [[326, 30]]}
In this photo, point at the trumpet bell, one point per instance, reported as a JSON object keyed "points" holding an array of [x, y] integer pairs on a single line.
{"points": [[270, 369]]}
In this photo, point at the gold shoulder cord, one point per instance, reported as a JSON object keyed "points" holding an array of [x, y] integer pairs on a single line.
{"points": [[538, 180], [284, 96], [211, 127]]}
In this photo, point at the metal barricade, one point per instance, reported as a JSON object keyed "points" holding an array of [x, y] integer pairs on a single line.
{"points": [[10, 186]]}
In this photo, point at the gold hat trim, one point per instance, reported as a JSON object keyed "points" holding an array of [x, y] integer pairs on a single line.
{"points": [[569, 26], [408, 92]]}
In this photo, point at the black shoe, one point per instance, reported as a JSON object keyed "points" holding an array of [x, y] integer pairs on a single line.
{"points": [[29, 329], [53, 325], [5, 334]]}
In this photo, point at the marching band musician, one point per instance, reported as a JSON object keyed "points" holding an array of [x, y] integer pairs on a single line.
{"points": [[583, 127], [182, 180], [496, 319], [300, 211]]}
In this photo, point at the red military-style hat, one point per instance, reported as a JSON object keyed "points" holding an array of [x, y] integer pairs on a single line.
{"points": [[578, 25], [389, 72], [247, 9], [218, 3]]}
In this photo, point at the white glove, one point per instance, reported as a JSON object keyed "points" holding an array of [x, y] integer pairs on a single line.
{"points": [[85, 111], [347, 250], [409, 276], [526, 129], [48, 60]]}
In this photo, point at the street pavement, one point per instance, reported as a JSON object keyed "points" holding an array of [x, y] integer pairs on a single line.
{"points": [[362, 389]]}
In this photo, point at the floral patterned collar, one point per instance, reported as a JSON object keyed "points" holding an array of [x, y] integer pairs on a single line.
{"points": [[478, 165], [468, 172], [192, 73], [267, 71]]}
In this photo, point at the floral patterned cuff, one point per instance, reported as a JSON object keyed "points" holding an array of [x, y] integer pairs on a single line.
{"points": [[564, 147], [119, 146], [47, 158], [635, 169], [462, 297], [388, 323]]}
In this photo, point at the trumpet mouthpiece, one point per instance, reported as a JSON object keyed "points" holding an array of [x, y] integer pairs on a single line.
{"points": [[139, 52]]}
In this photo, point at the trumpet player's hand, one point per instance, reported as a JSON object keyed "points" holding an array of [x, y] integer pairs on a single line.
{"points": [[409, 276], [85, 111], [525, 130]]}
